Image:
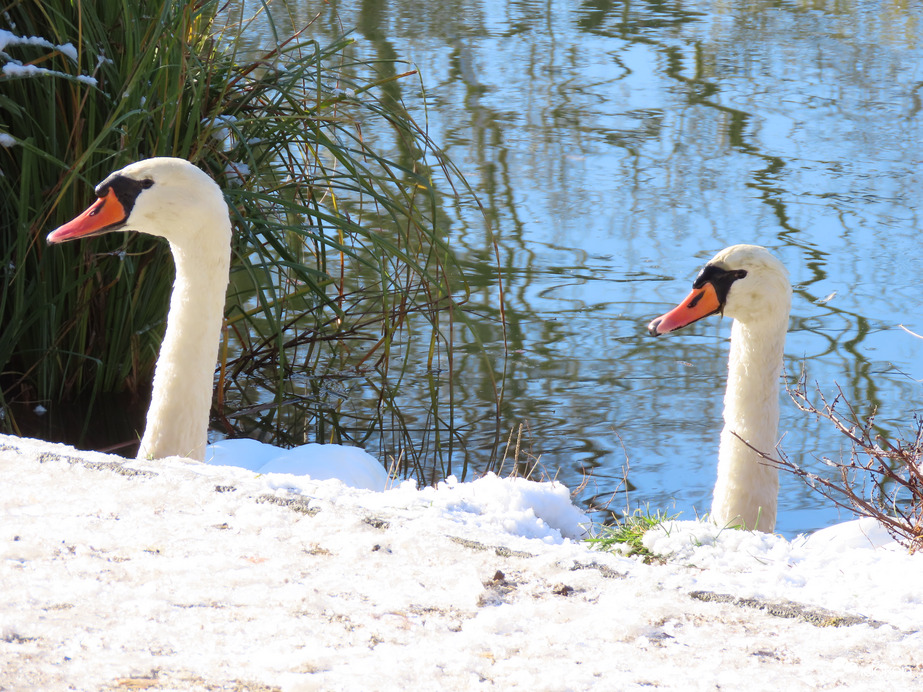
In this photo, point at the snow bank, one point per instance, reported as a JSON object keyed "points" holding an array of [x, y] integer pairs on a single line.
{"points": [[183, 576], [844, 570]]}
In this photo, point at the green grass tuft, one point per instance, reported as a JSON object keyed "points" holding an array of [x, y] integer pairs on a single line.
{"points": [[626, 535]]}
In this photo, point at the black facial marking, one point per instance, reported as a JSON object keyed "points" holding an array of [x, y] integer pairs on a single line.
{"points": [[720, 278], [126, 190]]}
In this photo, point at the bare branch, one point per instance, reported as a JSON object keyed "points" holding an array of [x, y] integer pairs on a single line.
{"points": [[881, 478]]}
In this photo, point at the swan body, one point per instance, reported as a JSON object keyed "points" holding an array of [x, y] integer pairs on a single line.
{"points": [[173, 199], [747, 283]]}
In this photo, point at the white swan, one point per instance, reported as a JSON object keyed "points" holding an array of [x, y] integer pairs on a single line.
{"points": [[747, 283], [173, 199]]}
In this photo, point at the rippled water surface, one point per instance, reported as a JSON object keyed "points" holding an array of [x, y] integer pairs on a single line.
{"points": [[615, 147]]}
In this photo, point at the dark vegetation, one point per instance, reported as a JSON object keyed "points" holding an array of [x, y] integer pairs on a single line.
{"points": [[346, 300]]}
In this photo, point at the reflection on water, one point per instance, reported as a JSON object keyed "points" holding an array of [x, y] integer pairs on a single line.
{"points": [[615, 147]]}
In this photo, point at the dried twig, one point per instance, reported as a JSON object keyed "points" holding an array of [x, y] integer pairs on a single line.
{"points": [[880, 479]]}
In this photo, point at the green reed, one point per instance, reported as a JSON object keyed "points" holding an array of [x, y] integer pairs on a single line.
{"points": [[341, 277]]}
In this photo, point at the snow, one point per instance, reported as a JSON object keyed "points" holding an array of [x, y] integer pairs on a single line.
{"points": [[235, 173], [8, 38], [14, 69], [173, 574], [223, 129], [353, 466], [69, 50]]}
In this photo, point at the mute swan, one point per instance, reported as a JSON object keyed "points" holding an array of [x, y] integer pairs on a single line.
{"points": [[747, 283], [173, 199]]}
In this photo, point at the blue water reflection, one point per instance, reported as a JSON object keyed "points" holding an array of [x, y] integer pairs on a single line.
{"points": [[615, 147]]}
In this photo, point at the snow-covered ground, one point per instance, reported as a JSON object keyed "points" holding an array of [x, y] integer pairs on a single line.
{"points": [[174, 575]]}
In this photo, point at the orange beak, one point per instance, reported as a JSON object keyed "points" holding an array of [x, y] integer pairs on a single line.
{"points": [[106, 213], [702, 302]]}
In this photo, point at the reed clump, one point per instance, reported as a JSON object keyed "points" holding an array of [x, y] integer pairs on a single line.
{"points": [[342, 280]]}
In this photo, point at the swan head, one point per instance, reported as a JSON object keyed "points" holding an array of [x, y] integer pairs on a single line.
{"points": [[165, 197], [745, 282]]}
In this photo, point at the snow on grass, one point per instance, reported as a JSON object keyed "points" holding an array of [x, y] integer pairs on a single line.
{"points": [[14, 69], [8, 38], [177, 575]]}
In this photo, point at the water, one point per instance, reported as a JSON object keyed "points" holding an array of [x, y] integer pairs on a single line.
{"points": [[617, 146]]}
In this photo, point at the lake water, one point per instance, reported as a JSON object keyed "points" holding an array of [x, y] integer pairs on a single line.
{"points": [[615, 147]]}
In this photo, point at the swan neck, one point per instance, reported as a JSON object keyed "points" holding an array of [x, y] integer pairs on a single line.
{"points": [[747, 488], [177, 420]]}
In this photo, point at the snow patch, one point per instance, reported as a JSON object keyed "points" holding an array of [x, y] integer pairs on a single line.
{"points": [[210, 576]]}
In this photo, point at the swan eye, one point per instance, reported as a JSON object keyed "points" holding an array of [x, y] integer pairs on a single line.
{"points": [[147, 183]]}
